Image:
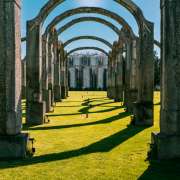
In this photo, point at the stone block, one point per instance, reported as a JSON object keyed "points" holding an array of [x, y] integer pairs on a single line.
{"points": [[57, 93], [108, 92], [119, 94], [143, 113], [63, 92], [67, 91], [36, 113], [131, 99], [23, 92], [15, 147], [48, 100], [166, 146], [113, 93]]}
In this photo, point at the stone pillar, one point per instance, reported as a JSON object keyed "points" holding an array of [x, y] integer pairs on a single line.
{"points": [[51, 58], [35, 104], [57, 85], [13, 143], [66, 77], [133, 74], [143, 108], [119, 72], [113, 74], [63, 86], [128, 59], [167, 142], [23, 68], [46, 92], [109, 88], [108, 79]]}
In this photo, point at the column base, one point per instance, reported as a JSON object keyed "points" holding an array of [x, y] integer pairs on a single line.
{"points": [[119, 94], [52, 97], [57, 93], [131, 99], [109, 93], [143, 113], [35, 113], [67, 92], [23, 92], [63, 92], [47, 98], [15, 147], [165, 147], [126, 97], [113, 93]]}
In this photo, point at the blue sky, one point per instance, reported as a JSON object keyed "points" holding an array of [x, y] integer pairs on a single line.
{"points": [[150, 8]]}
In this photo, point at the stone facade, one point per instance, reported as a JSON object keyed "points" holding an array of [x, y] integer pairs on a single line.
{"points": [[88, 71]]}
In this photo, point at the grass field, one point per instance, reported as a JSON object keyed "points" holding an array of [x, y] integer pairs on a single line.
{"points": [[101, 147]]}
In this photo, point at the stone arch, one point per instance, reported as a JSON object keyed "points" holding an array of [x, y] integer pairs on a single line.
{"points": [[83, 19], [144, 108], [88, 37], [86, 48], [128, 4], [88, 10]]}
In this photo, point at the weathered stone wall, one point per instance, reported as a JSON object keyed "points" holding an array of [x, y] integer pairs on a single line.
{"points": [[167, 142], [10, 67]]}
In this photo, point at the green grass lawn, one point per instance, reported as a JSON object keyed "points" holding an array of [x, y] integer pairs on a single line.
{"points": [[102, 146]]}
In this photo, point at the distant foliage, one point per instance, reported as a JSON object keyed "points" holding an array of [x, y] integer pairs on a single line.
{"points": [[156, 69]]}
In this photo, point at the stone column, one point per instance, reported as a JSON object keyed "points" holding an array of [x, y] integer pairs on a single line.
{"points": [[143, 108], [13, 143], [167, 142], [35, 105], [23, 68], [128, 59], [46, 92], [113, 72], [133, 74], [66, 76], [63, 86], [51, 58], [110, 76], [119, 72], [57, 85]]}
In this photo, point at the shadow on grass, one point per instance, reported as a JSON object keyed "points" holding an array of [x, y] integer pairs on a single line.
{"points": [[157, 104], [104, 145], [68, 106], [84, 110], [165, 170], [104, 121], [86, 107]]}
